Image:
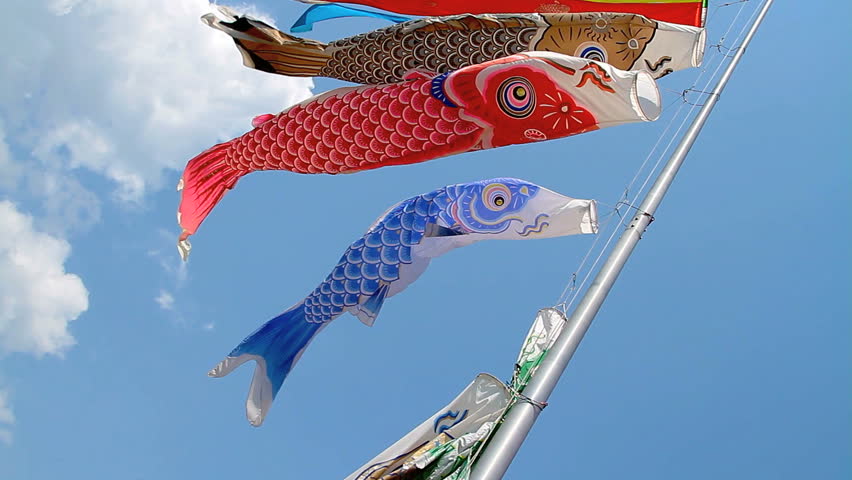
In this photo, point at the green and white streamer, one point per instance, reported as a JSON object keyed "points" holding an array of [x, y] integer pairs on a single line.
{"points": [[426, 454]]}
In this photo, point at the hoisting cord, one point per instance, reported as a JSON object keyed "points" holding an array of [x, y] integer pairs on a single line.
{"points": [[572, 290]]}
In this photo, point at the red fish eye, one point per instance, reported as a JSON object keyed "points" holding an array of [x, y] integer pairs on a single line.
{"points": [[516, 97]]}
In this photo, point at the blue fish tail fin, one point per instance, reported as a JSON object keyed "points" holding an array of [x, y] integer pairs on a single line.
{"points": [[276, 347]]}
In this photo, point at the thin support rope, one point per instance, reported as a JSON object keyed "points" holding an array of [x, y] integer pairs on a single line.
{"points": [[571, 288], [705, 88]]}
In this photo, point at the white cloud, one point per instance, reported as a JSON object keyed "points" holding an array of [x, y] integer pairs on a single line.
{"points": [[168, 259], [6, 415], [9, 170], [62, 7], [68, 205], [129, 90], [37, 297], [6, 418], [165, 300]]}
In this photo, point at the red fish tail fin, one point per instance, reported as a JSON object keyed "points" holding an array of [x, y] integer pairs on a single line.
{"points": [[204, 182], [268, 49]]}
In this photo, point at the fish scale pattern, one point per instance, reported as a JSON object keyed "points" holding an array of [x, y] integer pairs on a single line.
{"points": [[386, 55], [375, 259], [357, 129]]}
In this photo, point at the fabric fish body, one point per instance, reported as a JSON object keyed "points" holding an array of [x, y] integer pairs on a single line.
{"points": [[684, 12], [391, 255], [518, 99], [442, 44]]}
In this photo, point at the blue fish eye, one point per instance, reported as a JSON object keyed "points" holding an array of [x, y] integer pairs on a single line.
{"points": [[496, 196]]}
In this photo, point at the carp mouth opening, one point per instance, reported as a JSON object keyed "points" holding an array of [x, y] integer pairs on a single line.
{"points": [[535, 135]]}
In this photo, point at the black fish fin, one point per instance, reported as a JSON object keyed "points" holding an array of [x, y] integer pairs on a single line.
{"points": [[434, 230]]}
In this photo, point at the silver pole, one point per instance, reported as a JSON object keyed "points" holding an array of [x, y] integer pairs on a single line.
{"points": [[495, 460]]}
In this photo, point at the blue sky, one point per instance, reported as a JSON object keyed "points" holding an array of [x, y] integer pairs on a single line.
{"points": [[723, 351]]}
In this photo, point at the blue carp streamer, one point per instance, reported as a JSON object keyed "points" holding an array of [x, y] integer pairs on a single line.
{"points": [[392, 254]]}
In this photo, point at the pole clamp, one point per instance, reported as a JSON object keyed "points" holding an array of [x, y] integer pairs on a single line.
{"points": [[520, 397]]}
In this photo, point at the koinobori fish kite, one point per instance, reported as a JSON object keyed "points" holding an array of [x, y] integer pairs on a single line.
{"points": [[392, 254], [519, 99], [684, 12], [442, 44]]}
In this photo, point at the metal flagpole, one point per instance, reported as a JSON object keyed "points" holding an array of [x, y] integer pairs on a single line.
{"points": [[503, 447]]}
